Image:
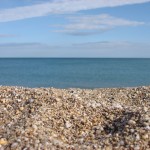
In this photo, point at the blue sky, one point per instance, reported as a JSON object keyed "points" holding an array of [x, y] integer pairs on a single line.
{"points": [[74, 28]]}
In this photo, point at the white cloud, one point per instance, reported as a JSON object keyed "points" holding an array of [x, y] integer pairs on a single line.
{"points": [[93, 24], [60, 7]]}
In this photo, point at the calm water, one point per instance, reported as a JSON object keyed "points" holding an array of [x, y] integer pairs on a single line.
{"points": [[82, 73]]}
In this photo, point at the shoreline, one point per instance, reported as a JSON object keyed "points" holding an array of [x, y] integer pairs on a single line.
{"points": [[74, 118], [96, 88]]}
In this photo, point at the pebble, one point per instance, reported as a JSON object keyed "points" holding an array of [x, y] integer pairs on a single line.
{"points": [[132, 130], [131, 122], [145, 136], [145, 109], [147, 127], [19, 100], [35, 127], [137, 137], [68, 124], [118, 106], [3, 141], [21, 108], [31, 100], [17, 112], [146, 118], [121, 143], [137, 147], [14, 145], [116, 118]]}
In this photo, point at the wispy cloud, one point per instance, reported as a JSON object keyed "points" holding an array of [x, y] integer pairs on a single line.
{"points": [[7, 35], [60, 7], [105, 44], [30, 44], [30, 49], [88, 49], [94, 24]]}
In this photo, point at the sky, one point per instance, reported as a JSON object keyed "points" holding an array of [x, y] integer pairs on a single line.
{"points": [[75, 28]]}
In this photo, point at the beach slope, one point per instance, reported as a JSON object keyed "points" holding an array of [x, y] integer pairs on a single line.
{"points": [[48, 118]]}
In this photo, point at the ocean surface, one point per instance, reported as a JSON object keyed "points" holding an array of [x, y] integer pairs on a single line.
{"points": [[74, 72]]}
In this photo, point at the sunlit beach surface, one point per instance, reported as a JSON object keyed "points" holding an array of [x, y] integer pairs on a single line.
{"points": [[48, 118]]}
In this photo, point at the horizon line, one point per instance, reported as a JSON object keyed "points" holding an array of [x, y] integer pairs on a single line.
{"points": [[74, 57]]}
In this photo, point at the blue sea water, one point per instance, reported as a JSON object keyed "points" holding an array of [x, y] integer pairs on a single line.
{"points": [[74, 72]]}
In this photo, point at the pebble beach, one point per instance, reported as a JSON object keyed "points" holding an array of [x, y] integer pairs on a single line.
{"points": [[74, 119]]}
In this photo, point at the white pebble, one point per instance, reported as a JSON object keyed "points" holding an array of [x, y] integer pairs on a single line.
{"points": [[68, 124]]}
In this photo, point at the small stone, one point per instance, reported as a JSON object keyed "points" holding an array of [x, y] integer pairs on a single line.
{"points": [[14, 145], [58, 99], [32, 110], [101, 128], [81, 140], [137, 137], [132, 130], [31, 100], [19, 140], [146, 118], [145, 136], [3, 101], [68, 124], [108, 148], [17, 112], [117, 105], [137, 147], [3, 141], [121, 143], [21, 108], [147, 127], [98, 132], [145, 109], [145, 124], [18, 100], [131, 122], [35, 127]]}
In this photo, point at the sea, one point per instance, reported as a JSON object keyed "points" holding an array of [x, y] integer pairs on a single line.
{"points": [[86, 73]]}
